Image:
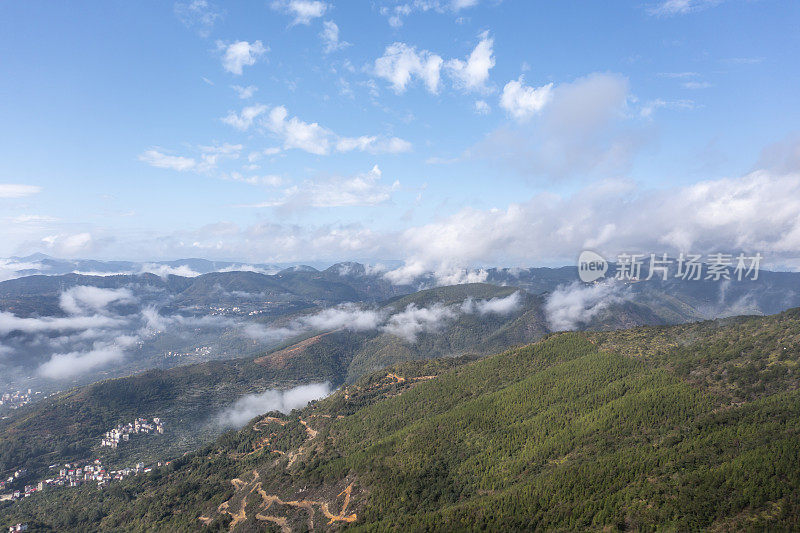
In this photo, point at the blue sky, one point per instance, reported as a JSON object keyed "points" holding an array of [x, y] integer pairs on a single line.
{"points": [[440, 132]]}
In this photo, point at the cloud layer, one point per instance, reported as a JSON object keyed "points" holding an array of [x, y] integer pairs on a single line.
{"points": [[248, 407]]}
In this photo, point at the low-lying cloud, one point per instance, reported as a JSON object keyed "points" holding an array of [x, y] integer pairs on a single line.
{"points": [[414, 320], [498, 306], [71, 364], [82, 299], [572, 305], [248, 407]]}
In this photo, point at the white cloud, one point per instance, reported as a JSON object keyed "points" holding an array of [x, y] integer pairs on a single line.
{"points": [[197, 14], [697, 85], [360, 190], [160, 160], [459, 276], [373, 144], [396, 13], [521, 101], [17, 190], [11, 268], [240, 54], [345, 316], [71, 364], [248, 407], [330, 37], [413, 320], [757, 212], [242, 121], [32, 219], [582, 128], [494, 306], [244, 92], [681, 7], [472, 74], [269, 180], [401, 63], [303, 11], [310, 137], [482, 108], [83, 299], [650, 107], [570, 306], [10, 322], [166, 270], [70, 244]]}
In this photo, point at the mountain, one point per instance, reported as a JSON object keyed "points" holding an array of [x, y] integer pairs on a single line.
{"points": [[69, 425], [680, 428]]}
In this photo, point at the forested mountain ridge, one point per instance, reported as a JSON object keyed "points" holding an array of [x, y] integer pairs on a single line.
{"points": [[630, 430], [69, 425]]}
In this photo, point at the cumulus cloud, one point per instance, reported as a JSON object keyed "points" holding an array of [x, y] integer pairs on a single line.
{"points": [[18, 190], [248, 407], [330, 37], [572, 305], [472, 74], [361, 190], [757, 212], [303, 11], [401, 63], [84, 299], [243, 120], [310, 137], [240, 54], [521, 101], [413, 321]]}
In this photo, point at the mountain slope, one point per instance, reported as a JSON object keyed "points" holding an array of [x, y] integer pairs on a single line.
{"points": [[578, 431]]}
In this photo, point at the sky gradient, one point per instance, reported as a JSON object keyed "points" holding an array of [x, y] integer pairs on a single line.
{"points": [[439, 132]]}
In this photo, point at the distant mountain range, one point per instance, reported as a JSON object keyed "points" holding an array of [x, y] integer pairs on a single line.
{"points": [[165, 319]]}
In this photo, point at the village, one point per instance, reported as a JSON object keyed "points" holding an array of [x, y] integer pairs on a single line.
{"points": [[202, 351], [16, 399], [73, 475], [123, 432]]}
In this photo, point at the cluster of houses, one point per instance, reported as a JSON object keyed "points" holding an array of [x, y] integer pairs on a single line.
{"points": [[16, 399], [123, 432], [200, 350], [77, 474]]}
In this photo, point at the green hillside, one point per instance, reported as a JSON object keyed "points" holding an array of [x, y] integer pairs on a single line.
{"points": [[650, 428]]}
